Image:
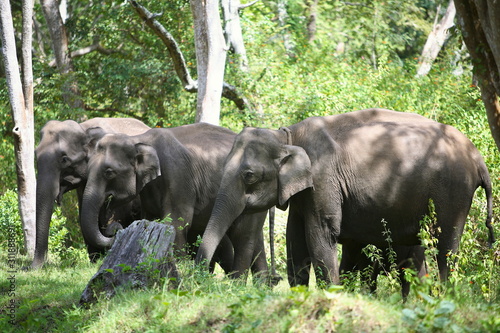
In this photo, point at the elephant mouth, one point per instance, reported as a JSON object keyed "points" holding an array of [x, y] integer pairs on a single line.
{"points": [[104, 216], [109, 201], [67, 184]]}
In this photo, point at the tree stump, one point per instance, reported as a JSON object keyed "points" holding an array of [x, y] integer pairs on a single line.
{"points": [[140, 257]]}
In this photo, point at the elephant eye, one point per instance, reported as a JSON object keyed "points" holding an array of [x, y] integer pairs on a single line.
{"points": [[109, 173], [65, 161], [249, 177]]}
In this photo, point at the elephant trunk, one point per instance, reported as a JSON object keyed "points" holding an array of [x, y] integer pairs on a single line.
{"points": [[226, 209], [47, 190], [89, 219]]}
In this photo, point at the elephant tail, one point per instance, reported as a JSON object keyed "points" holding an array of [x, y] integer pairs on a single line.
{"points": [[275, 277], [486, 185]]}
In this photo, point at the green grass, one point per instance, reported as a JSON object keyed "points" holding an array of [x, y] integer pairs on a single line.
{"points": [[48, 301]]}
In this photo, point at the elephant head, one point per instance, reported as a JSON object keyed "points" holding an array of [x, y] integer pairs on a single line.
{"points": [[62, 156], [62, 166], [118, 169], [261, 171]]}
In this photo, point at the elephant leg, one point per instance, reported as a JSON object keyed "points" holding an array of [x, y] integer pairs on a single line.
{"points": [[448, 239], [182, 219], [246, 236], [352, 256], [412, 257], [372, 280], [224, 256], [405, 285], [298, 259], [322, 243], [259, 261], [260, 270]]}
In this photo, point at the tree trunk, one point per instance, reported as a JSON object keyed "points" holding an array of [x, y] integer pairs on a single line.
{"points": [[22, 114], [210, 59], [140, 257], [282, 21], [60, 42], [233, 33], [436, 40], [480, 27], [312, 14]]}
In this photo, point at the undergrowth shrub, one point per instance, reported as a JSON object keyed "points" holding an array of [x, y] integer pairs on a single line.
{"points": [[59, 249]]}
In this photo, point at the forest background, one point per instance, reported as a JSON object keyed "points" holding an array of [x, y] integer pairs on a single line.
{"points": [[357, 55]]}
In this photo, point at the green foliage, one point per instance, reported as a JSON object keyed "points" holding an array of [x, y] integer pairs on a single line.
{"points": [[59, 250], [433, 315], [10, 222]]}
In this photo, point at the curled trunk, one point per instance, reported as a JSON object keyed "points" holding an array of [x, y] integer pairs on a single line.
{"points": [[89, 220]]}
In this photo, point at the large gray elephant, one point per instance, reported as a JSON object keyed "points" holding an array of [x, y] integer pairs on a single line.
{"points": [[341, 176], [62, 166], [176, 172]]}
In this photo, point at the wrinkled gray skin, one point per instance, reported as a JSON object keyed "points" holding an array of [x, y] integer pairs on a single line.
{"points": [[353, 259], [62, 166], [176, 172], [341, 175]]}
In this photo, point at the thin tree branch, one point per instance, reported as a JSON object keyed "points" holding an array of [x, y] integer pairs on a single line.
{"points": [[86, 50], [231, 93], [243, 6], [169, 41], [190, 85]]}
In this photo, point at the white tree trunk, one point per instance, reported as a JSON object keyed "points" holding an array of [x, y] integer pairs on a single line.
{"points": [[60, 46], [436, 40], [210, 57], [233, 33], [282, 21], [22, 114]]}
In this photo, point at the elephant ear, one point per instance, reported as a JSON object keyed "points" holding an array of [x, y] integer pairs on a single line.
{"points": [[147, 165], [94, 134], [294, 174]]}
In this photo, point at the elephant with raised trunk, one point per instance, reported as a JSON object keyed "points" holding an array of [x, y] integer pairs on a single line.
{"points": [[176, 172], [341, 175], [62, 166]]}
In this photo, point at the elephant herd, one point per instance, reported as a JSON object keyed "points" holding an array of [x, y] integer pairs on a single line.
{"points": [[339, 176]]}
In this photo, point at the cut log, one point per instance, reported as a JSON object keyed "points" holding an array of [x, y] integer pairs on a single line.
{"points": [[140, 257]]}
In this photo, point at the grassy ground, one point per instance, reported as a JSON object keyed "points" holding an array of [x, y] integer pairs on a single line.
{"points": [[48, 301]]}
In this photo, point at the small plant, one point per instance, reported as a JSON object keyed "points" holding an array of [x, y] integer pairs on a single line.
{"points": [[429, 231], [433, 315], [238, 313], [10, 222]]}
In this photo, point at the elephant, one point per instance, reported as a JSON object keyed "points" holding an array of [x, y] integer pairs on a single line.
{"points": [[176, 172], [341, 175], [353, 259], [62, 166]]}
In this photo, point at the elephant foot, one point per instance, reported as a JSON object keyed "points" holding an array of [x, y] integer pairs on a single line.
{"points": [[269, 279]]}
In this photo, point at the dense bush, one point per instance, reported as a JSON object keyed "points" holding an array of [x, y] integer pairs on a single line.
{"points": [[61, 248]]}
